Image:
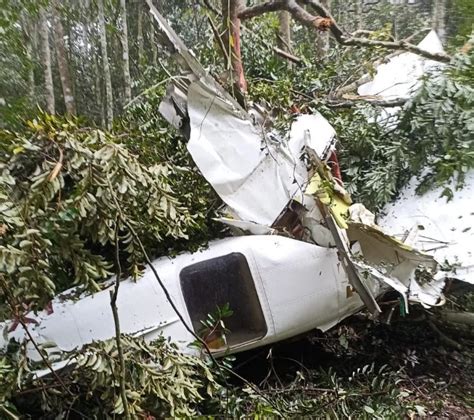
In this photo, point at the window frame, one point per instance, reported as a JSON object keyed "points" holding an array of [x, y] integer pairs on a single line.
{"points": [[249, 280]]}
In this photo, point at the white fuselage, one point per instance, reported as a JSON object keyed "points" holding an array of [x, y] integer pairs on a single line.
{"points": [[300, 287]]}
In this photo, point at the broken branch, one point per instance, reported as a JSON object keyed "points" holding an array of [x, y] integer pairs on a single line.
{"points": [[349, 103], [397, 45], [324, 21], [219, 40], [287, 55], [113, 305]]}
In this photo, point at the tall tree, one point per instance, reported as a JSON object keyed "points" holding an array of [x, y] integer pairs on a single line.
{"points": [[140, 34], [29, 30], [359, 15], [231, 38], [154, 50], [125, 52], [46, 62], [63, 64], [439, 19], [284, 31], [106, 66]]}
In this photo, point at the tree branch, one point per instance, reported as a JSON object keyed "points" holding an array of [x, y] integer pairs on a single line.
{"points": [[397, 45], [113, 305], [335, 29], [262, 8], [290, 57], [324, 21], [349, 103]]}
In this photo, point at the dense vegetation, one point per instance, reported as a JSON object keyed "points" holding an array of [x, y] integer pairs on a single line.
{"points": [[84, 187]]}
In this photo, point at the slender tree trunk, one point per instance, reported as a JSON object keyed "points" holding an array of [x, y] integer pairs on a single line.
{"points": [[98, 92], [29, 36], [359, 17], [106, 66], [284, 31], [61, 57], [231, 38], [31, 73], [46, 62], [125, 53], [439, 19], [322, 38], [140, 34], [154, 50]]}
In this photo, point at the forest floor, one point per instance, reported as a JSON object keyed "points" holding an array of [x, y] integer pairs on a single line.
{"points": [[430, 374]]}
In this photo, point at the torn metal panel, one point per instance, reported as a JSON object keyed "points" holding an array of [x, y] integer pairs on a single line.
{"points": [[313, 132], [254, 173], [436, 226], [400, 77], [173, 108], [331, 199]]}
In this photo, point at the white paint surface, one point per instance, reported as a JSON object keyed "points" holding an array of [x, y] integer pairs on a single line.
{"points": [[444, 229]]}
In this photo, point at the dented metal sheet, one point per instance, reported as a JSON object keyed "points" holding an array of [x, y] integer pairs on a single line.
{"points": [[441, 228], [401, 76], [256, 174]]}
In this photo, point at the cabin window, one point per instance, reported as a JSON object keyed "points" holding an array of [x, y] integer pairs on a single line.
{"points": [[213, 283]]}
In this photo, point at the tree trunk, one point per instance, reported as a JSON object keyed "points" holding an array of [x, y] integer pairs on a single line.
{"points": [[359, 17], [284, 31], [322, 38], [140, 34], [154, 50], [98, 92], [106, 67], [29, 36], [46, 62], [231, 38], [125, 54], [61, 57], [439, 19]]}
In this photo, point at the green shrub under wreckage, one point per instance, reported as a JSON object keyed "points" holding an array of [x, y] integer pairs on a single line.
{"points": [[66, 191]]}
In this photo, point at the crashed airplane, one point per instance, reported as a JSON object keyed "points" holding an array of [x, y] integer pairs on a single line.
{"points": [[303, 256]]}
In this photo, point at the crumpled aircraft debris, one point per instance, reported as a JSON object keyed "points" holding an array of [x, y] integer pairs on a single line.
{"points": [[282, 183], [428, 222], [292, 218], [436, 226], [400, 77]]}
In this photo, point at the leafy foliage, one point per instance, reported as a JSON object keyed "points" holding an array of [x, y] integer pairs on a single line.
{"points": [[439, 125], [368, 392], [433, 140], [63, 188], [160, 382]]}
